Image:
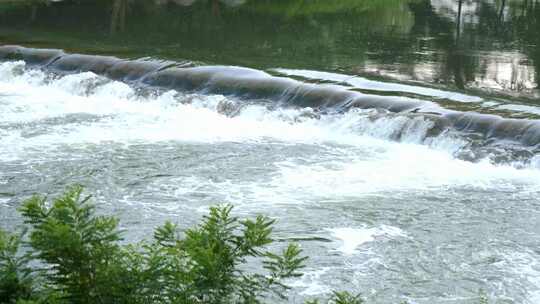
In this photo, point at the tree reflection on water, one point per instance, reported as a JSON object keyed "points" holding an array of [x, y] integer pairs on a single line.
{"points": [[486, 45]]}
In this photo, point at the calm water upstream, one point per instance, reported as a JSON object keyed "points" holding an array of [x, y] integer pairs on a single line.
{"points": [[398, 141]]}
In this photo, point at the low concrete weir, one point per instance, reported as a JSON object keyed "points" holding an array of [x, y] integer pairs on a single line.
{"points": [[130, 71], [526, 132], [40, 57], [84, 63], [393, 104], [226, 80], [256, 84]]}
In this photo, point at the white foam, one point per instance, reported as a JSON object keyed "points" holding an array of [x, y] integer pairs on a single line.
{"points": [[369, 162], [408, 168], [352, 238], [524, 267], [9, 70], [311, 282], [124, 117], [169, 117], [535, 162]]}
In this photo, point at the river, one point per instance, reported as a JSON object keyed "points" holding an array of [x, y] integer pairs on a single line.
{"points": [[397, 141]]}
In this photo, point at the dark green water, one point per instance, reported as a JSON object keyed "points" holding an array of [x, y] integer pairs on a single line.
{"points": [[435, 203], [487, 46]]}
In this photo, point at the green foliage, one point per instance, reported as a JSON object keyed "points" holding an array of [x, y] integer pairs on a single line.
{"points": [[346, 298], [78, 247], [81, 259], [16, 282], [483, 298], [72, 255], [341, 298], [207, 265]]}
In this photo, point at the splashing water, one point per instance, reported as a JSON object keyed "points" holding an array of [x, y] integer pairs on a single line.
{"points": [[378, 199]]}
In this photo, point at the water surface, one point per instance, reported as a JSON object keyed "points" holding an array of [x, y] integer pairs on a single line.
{"points": [[387, 203]]}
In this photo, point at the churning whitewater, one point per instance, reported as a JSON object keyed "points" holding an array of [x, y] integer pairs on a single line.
{"points": [[384, 199]]}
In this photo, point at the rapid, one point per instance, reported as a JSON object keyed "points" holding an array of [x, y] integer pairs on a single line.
{"points": [[400, 197]]}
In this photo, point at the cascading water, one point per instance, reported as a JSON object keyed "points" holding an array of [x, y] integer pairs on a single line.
{"points": [[396, 198]]}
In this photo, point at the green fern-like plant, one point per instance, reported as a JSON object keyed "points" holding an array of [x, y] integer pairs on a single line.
{"points": [[207, 265], [78, 248], [341, 298], [81, 259], [16, 279]]}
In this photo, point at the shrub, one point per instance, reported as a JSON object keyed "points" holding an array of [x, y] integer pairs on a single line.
{"points": [[341, 298], [72, 255], [78, 248], [16, 282], [80, 259]]}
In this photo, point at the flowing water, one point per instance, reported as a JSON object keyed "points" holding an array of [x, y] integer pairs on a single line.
{"points": [[402, 174]]}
